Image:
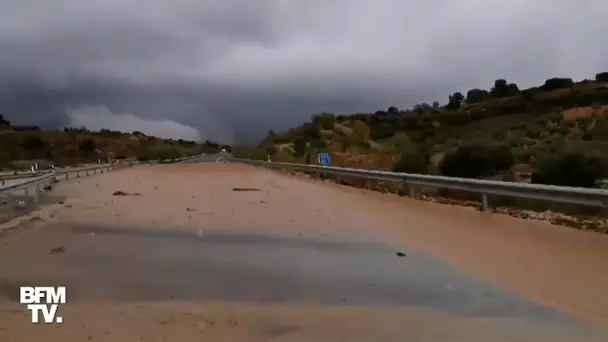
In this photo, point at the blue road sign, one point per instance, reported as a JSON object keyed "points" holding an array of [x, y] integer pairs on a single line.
{"points": [[323, 158]]}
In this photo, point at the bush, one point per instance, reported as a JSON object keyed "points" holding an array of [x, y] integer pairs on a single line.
{"points": [[382, 131], [412, 162], [87, 146], [571, 169], [557, 83], [533, 132], [34, 145], [477, 161], [161, 151], [601, 77], [477, 95], [300, 145]]}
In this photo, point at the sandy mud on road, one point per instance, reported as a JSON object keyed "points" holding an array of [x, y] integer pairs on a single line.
{"points": [[231, 252]]}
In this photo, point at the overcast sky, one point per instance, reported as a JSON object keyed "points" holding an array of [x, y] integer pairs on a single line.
{"points": [[232, 69]]}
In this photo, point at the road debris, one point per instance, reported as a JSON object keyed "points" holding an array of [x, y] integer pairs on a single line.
{"points": [[60, 249], [245, 189], [400, 254], [122, 193]]}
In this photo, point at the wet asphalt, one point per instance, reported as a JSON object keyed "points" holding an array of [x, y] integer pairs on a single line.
{"points": [[101, 263]]}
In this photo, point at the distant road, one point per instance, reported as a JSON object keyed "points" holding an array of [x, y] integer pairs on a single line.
{"points": [[208, 158], [236, 253]]}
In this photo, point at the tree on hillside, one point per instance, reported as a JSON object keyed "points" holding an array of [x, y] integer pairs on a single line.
{"points": [[4, 122], [601, 77], [475, 161], [571, 169], [272, 149], [477, 95], [300, 146], [436, 104], [412, 162], [513, 89], [503, 89], [311, 132], [500, 88], [393, 110], [499, 158], [557, 83], [87, 146], [33, 143], [422, 108], [455, 101]]}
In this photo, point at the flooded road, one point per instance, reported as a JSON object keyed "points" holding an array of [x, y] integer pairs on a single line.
{"points": [[292, 282]]}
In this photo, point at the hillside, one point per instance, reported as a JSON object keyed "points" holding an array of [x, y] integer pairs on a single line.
{"points": [[22, 146], [558, 132]]}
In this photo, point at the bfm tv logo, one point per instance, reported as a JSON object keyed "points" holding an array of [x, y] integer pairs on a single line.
{"points": [[53, 296]]}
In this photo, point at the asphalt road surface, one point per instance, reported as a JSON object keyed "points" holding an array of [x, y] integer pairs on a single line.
{"points": [[234, 253]]}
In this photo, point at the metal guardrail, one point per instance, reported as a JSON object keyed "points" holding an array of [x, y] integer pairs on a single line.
{"points": [[46, 177], [28, 174], [38, 183], [563, 194], [5, 178]]}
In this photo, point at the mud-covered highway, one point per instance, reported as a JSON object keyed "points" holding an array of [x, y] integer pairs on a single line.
{"points": [[227, 252]]}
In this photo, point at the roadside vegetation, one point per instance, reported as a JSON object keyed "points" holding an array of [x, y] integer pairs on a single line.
{"points": [[500, 133], [556, 133], [23, 146]]}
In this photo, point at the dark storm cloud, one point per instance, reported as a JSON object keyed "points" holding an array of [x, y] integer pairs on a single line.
{"points": [[234, 69]]}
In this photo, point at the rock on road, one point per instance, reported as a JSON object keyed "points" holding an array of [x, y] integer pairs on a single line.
{"points": [[230, 252]]}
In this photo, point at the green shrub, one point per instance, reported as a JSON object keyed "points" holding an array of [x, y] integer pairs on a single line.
{"points": [[412, 162], [474, 161], [571, 169]]}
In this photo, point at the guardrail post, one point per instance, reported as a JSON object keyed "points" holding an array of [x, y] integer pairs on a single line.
{"points": [[484, 202], [411, 191], [66, 175], [35, 198]]}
